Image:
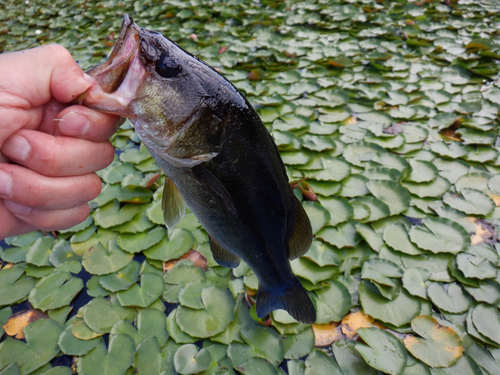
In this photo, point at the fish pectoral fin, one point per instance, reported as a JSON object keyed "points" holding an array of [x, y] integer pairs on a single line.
{"points": [[222, 256], [213, 185], [301, 238], [172, 204]]}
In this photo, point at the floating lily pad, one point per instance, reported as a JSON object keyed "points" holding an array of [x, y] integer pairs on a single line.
{"points": [[14, 286], [112, 361], [332, 302], [101, 314], [440, 235], [122, 279], [151, 288], [213, 319], [439, 346], [384, 351], [486, 320], [40, 347], [319, 362], [55, 290], [471, 202], [100, 260], [397, 312], [450, 298]]}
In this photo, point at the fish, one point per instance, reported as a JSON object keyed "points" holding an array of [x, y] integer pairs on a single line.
{"points": [[218, 158]]}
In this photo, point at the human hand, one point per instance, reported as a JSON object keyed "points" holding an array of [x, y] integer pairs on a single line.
{"points": [[49, 150]]}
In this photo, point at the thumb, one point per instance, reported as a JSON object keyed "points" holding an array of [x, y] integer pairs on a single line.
{"points": [[38, 74]]}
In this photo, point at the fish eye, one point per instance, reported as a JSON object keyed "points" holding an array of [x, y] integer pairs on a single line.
{"points": [[167, 67]]}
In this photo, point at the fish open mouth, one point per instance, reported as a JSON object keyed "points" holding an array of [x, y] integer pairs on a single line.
{"points": [[118, 79]]}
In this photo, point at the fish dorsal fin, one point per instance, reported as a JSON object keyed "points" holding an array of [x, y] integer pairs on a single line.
{"points": [[222, 256], [172, 204], [301, 238], [212, 184]]}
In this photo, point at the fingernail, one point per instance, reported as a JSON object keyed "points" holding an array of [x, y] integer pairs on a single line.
{"points": [[5, 183], [73, 124], [17, 208], [17, 148]]}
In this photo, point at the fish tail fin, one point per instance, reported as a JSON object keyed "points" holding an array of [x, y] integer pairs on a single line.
{"points": [[293, 298]]}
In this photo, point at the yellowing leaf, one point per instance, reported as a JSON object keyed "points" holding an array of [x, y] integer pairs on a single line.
{"points": [[16, 323], [327, 334], [440, 346]]}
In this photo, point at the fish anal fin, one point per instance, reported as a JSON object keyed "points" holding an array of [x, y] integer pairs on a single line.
{"points": [[301, 238], [172, 204], [222, 256], [293, 298], [212, 184]]}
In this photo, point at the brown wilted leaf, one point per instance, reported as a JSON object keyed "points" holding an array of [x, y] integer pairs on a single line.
{"points": [[16, 323], [196, 257], [354, 321], [327, 334], [450, 134]]}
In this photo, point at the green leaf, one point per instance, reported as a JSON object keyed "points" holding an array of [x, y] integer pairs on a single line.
{"points": [[142, 296], [112, 215], [40, 347], [319, 362], [101, 314], [487, 291], [414, 279], [265, 343], [333, 302], [434, 188], [99, 260], [72, 345], [449, 297], [189, 360], [122, 279], [134, 243], [299, 345], [148, 359], [113, 361], [213, 319], [486, 320], [384, 351], [39, 252], [471, 202], [440, 235], [391, 193], [440, 346], [398, 312], [334, 169], [475, 266], [349, 360], [55, 290], [322, 254], [422, 171], [62, 253], [178, 243], [340, 210], [13, 285], [396, 236], [318, 215]]}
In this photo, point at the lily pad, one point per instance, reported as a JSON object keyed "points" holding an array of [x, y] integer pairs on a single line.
{"points": [[188, 359], [218, 313], [112, 361], [40, 347], [55, 290], [471, 202], [391, 193], [450, 298], [440, 346], [151, 288], [440, 235], [100, 260], [13, 285], [486, 319], [384, 351]]}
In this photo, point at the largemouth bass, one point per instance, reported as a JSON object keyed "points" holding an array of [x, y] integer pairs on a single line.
{"points": [[218, 157]]}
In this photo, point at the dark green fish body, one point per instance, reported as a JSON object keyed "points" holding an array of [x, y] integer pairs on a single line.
{"points": [[217, 154]]}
